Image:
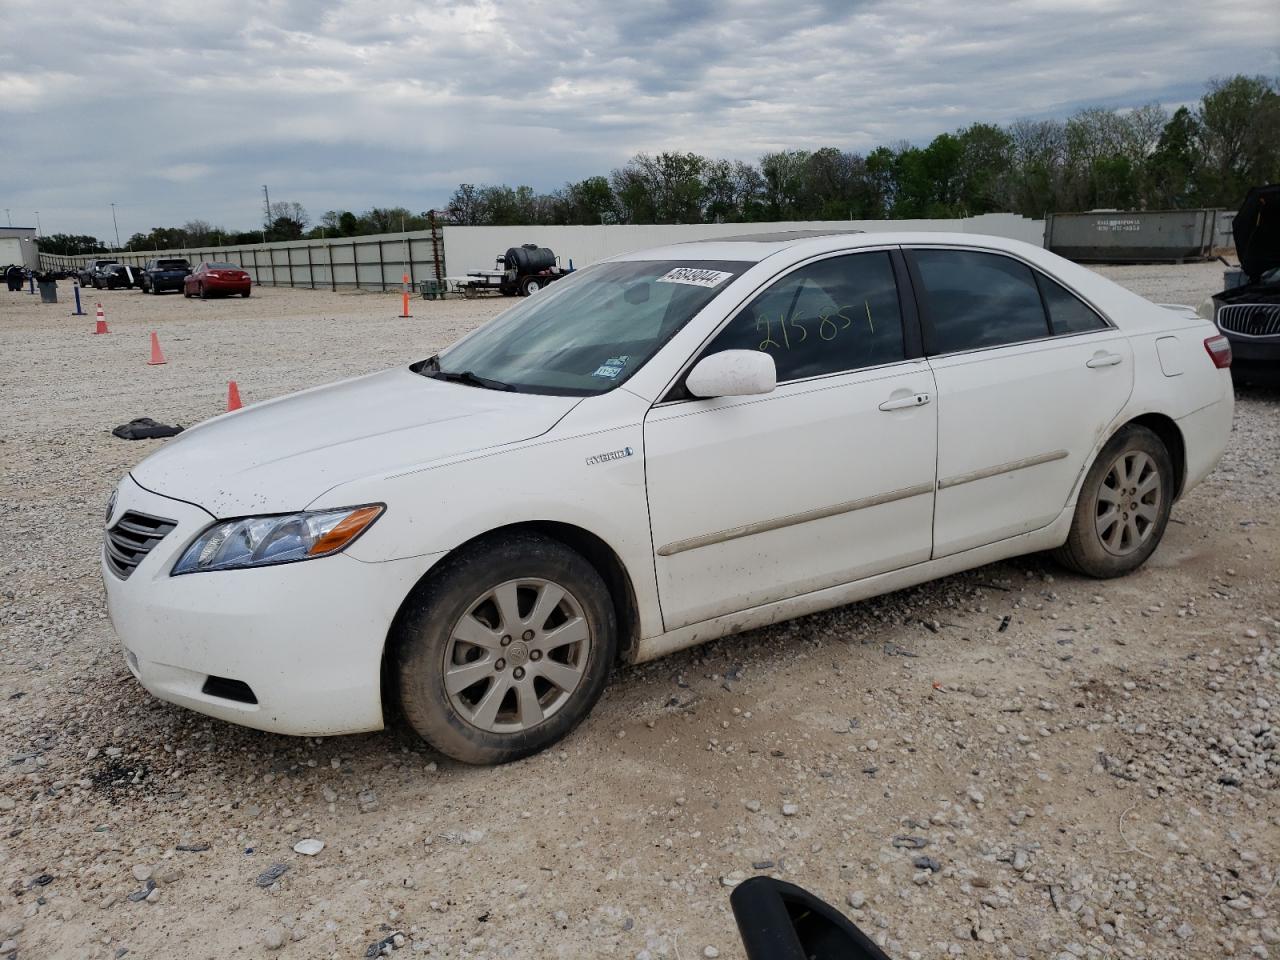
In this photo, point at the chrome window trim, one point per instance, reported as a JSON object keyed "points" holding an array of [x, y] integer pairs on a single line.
{"points": [[1109, 325]]}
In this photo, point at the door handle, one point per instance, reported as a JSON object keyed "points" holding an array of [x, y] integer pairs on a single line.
{"points": [[902, 403], [1104, 360]]}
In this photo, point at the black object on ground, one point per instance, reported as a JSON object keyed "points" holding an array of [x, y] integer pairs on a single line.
{"points": [[144, 428], [780, 921]]}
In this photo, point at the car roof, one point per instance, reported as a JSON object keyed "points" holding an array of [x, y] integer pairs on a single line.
{"points": [[756, 247]]}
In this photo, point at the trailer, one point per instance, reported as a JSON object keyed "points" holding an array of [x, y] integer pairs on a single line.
{"points": [[520, 271]]}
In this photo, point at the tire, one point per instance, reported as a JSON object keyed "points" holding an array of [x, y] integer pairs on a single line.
{"points": [[529, 286], [203, 295], [1111, 537], [185, 292], [494, 718], [246, 294]]}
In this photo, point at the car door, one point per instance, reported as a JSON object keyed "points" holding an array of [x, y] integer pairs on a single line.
{"points": [[1028, 378], [825, 480]]}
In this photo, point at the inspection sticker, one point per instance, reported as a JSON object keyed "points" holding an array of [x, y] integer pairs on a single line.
{"points": [[695, 277], [611, 367]]}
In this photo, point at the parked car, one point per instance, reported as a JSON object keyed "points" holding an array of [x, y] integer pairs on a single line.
{"points": [[115, 275], [90, 269], [164, 274], [1249, 315], [806, 421], [216, 280]]}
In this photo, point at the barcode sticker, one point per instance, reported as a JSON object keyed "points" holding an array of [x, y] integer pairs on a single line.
{"points": [[695, 277]]}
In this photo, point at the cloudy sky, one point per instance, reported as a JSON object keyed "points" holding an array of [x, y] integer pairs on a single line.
{"points": [[180, 110]]}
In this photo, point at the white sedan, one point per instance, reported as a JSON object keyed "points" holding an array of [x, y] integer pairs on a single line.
{"points": [[661, 449]]}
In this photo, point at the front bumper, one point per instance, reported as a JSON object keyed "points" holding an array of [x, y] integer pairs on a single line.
{"points": [[306, 638]]}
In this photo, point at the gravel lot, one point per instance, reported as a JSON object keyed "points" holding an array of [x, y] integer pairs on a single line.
{"points": [[1096, 779]]}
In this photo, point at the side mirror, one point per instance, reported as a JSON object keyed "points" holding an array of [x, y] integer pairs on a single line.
{"points": [[733, 373], [780, 921]]}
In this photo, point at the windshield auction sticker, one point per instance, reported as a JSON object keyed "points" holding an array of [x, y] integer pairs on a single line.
{"points": [[695, 277]]}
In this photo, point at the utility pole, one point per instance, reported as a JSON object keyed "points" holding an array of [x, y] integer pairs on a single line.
{"points": [[114, 224], [39, 232], [266, 206]]}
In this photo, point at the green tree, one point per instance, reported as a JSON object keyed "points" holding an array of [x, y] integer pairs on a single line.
{"points": [[589, 201], [785, 175], [69, 245], [1239, 120], [1172, 167], [666, 188], [984, 164]]}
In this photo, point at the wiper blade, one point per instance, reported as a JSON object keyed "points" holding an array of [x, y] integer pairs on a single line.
{"points": [[470, 378]]}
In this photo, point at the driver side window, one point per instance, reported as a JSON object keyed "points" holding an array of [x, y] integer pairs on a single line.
{"points": [[830, 316]]}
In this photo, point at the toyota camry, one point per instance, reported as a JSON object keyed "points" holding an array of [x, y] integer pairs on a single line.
{"points": [[660, 449]]}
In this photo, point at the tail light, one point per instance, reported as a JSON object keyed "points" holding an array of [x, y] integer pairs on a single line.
{"points": [[1219, 350]]}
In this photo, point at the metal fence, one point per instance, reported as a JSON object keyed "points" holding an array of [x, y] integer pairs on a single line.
{"points": [[349, 263], [379, 262]]}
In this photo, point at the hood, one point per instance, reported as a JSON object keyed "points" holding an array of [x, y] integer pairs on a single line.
{"points": [[279, 456], [1256, 229]]}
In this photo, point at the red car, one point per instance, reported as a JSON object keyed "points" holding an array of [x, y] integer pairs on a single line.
{"points": [[216, 279]]}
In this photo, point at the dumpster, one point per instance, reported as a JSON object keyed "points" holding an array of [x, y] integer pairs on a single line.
{"points": [[48, 289], [1132, 236]]}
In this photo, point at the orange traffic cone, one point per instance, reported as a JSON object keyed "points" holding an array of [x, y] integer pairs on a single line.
{"points": [[101, 326], [233, 396], [157, 357]]}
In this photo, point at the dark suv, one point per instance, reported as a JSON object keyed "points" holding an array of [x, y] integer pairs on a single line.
{"points": [[164, 274]]}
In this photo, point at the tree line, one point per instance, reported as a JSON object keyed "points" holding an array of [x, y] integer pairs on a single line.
{"points": [[1206, 155], [1136, 158]]}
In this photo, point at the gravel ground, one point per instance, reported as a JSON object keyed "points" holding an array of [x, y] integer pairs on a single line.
{"points": [[1009, 762]]}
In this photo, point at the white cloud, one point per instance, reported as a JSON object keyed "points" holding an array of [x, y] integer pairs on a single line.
{"points": [[184, 109]]}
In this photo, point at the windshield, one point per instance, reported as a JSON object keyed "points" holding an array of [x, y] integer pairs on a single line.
{"points": [[171, 264], [589, 332], [222, 266]]}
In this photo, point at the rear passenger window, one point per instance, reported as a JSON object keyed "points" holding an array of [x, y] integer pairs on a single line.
{"points": [[974, 300], [830, 316], [1067, 312]]}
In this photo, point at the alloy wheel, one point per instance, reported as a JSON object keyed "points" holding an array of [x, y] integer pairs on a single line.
{"points": [[1128, 504], [517, 655]]}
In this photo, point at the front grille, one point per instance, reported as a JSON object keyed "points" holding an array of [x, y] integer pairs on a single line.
{"points": [[131, 539], [1250, 319]]}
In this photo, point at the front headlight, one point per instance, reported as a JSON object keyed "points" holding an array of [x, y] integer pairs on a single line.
{"points": [[262, 541]]}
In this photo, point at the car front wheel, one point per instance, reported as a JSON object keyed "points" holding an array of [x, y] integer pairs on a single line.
{"points": [[1123, 508], [505, 649]]}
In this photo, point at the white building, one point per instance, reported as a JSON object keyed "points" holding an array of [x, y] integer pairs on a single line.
{"points": [[18, 245]]}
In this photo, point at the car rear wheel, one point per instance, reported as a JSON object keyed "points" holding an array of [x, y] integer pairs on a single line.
{"points": [[200, 290], [505, 649], [1123, 508], [245, 294]]}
